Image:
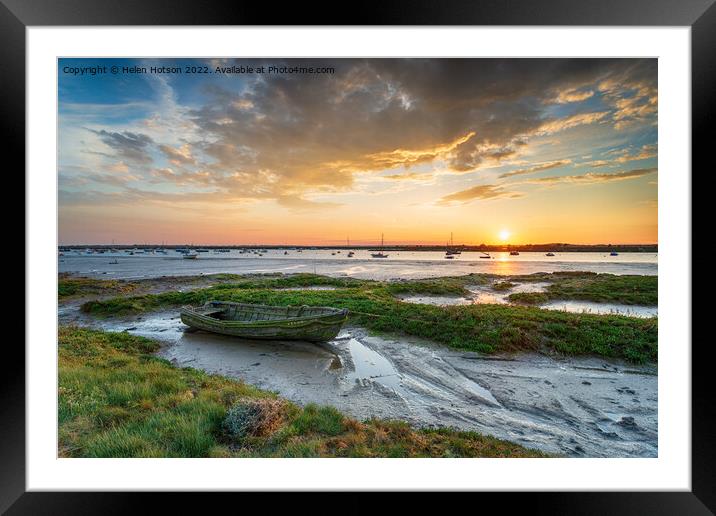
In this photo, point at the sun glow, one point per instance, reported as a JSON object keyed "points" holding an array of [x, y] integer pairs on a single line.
{"points": [[504, 235]]}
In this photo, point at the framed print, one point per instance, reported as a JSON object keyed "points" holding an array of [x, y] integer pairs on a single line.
{"points": [[440, 249]]}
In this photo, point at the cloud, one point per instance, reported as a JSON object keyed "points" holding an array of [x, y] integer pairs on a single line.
{"points": [[500, 191], [286, 137], [537, 168], [594, 177], [409, 157], [178, 156], [386, 113], [128, 145], [572, 95], [595, 164], [299, 204], [560, 124], [633, 94], [646, 152], [478, 192], [409, 176]]}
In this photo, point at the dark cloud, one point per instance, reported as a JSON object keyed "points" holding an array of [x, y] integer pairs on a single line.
{"points": [[284, 136], [128, 145], [178, 156], [381, 113]]}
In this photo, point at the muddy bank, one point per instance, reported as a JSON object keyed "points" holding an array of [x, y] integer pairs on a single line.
{"points": [[576, 407]]}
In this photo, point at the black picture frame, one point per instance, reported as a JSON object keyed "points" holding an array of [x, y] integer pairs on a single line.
{"points": [[700, 15]]}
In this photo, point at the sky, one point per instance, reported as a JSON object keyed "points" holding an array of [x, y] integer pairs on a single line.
{"points": [[324, 151]]}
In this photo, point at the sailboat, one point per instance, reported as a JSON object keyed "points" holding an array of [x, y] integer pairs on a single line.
{"points": [[450, 250], [380, 254]]}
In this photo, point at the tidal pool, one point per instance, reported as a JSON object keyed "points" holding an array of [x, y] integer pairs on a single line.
{"points": [[480, 294]]}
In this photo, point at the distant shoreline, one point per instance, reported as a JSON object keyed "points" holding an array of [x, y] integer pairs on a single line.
{"points": [[561, 248]]}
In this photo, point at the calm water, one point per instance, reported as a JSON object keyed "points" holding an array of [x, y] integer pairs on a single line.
{"points": [[401, 264]]}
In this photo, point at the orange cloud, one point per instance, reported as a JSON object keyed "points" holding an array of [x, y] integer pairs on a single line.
{"points": [[592, 177], [478, 192], [537, 168]]}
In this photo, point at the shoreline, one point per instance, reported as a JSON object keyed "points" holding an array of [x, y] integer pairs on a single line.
{"points": [[556, 247]]}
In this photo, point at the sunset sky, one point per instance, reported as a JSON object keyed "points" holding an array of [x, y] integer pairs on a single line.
{"points": [[492, 150]]}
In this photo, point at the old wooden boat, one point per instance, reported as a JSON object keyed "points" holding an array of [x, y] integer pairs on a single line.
{"points": [[311, 323]]}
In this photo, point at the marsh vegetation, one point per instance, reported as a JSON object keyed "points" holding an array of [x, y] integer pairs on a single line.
{"points": [[485, 328]]}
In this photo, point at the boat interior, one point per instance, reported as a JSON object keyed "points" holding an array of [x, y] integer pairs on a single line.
{"points": [[250, 313]]}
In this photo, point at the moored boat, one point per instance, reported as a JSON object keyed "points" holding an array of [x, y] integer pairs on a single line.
{"points": [[450, 249], [379, 254], [310, 323]]}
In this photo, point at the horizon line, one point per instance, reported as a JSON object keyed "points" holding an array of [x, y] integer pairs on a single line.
{"points": [[352, 244]]}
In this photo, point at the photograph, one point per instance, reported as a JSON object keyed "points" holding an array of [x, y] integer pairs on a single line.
{"points": [[369, 257]]}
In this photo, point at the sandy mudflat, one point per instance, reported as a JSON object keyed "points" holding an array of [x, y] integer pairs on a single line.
{"points": [[585, 407]]}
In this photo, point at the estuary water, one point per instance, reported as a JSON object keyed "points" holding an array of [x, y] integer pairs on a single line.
{"points": [[399, 264]]}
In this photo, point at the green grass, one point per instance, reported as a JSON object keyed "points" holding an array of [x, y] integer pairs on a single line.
{"points": [[482, 328], [117, 400], [529, 298], [502, 285], [70, 287], [599, 288]]}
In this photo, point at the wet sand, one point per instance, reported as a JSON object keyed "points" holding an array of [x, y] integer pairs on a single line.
{"points": [[586, 407]]}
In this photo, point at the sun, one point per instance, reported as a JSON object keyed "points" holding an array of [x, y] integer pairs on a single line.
{"points": [[504, 235]]}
